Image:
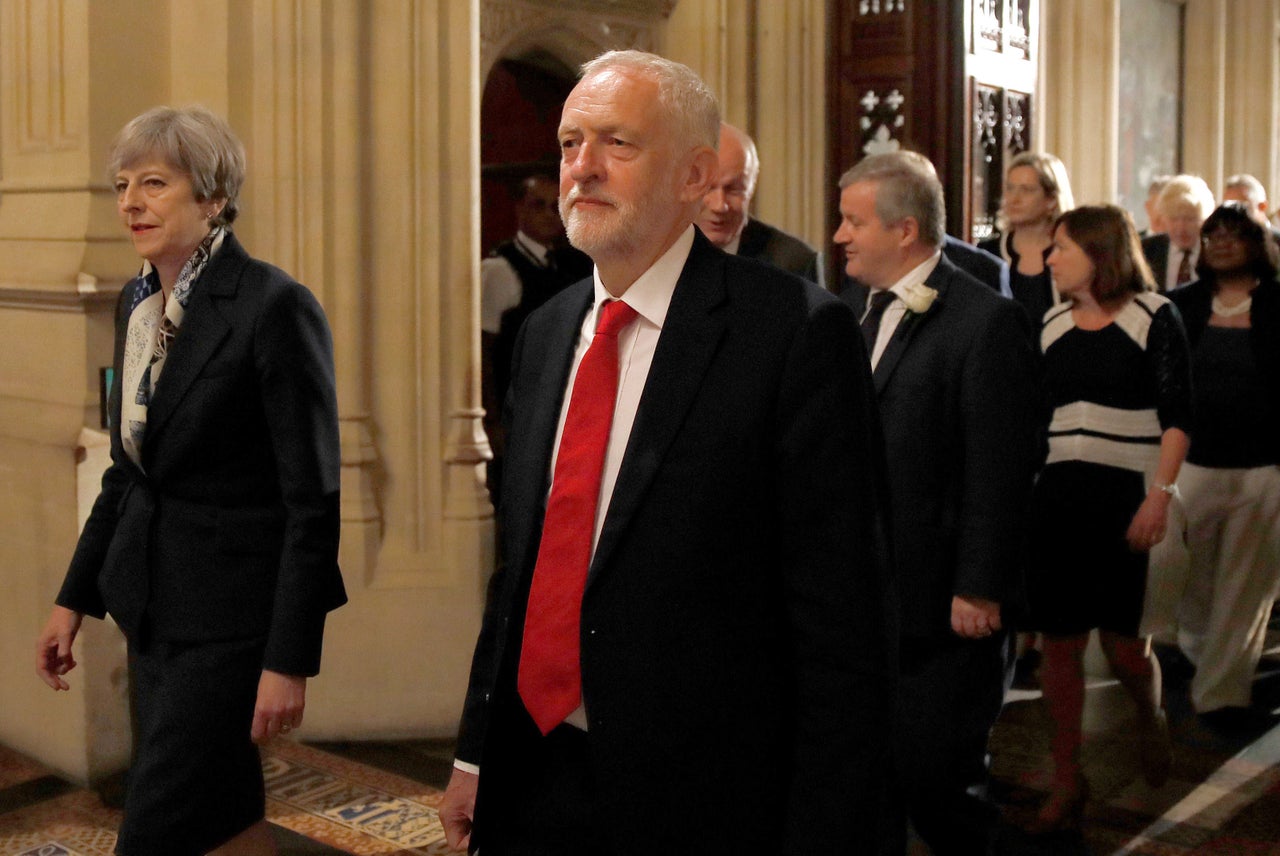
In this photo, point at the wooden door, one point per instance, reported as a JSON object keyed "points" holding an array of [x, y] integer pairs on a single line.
{"points": [[953, 80]]}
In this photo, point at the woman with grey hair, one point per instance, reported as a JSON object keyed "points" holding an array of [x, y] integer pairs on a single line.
{"points": [[213, 543]]}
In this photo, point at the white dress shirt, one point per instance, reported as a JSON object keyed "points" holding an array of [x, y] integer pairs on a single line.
{"points": [[500, 286], [894, 312], [650, 297], [732, 247]]}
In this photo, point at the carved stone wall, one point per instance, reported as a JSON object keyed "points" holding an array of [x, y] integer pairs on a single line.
{"points": [[767, 64], [1231, 115], [359, 121]]}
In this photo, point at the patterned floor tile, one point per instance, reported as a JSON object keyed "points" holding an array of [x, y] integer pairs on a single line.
{"points": [[16, 768], [76, 822], [348, 805]]}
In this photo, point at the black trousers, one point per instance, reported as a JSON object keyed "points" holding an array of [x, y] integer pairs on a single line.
{"points": [[538, 794], [949, 696], [196, 777]]}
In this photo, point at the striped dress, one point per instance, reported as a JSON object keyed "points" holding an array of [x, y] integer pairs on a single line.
{"points": [[1110, 394]]}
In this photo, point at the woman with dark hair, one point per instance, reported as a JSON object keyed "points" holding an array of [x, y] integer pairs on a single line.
{"points": [[1231, 483], [214, 540], [1117, 384], [1036, 191]]}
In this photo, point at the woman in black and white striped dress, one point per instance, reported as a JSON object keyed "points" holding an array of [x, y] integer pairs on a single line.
{"points": [[1117, 383]]}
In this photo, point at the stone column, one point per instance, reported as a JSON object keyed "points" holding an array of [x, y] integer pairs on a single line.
{"points": [[1079, 95], [69, 79], [766, 63]]}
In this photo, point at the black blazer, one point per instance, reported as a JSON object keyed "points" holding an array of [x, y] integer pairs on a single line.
{"points": [[958, 402], [232, 530], [1156, 249], [736, 643], [774, 246], [986, 267], [1195, 303]]}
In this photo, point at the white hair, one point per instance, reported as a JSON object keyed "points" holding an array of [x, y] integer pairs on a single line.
{"points": [[690, 104], [1253, 189]]}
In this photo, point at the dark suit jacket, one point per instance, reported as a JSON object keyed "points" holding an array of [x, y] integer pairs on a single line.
{"points": [[1156, 249], [957, 394], [774, 246], [736, 643], [987, 268], [232, 530], [1195, 303]]}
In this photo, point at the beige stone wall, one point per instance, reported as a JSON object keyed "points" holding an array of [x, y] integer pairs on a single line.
{"points": [[1231, 114], [359, 120], [767, 63]]}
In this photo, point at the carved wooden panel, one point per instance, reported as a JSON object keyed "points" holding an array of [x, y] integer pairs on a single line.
{"points": [[953, 81], [1001, 74], [883, 120], [986, 161], [1017, 121], [1017, 29], [987, 25]]}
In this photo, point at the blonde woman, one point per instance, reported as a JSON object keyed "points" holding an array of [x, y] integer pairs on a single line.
{"points": [[1036, 192]]}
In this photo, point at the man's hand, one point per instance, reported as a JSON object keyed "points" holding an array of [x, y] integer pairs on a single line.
{"points": [[458, 808], [53, 647], [974, 617], [281, 699]]}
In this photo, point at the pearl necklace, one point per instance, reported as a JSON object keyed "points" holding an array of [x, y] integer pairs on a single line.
{"points": [[1224, 311]]}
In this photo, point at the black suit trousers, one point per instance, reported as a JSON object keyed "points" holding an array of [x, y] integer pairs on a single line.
{"points": [[949, 697], [549, 790]]}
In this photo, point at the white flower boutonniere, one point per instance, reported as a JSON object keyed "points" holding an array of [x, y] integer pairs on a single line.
{"points": [[919, 298]]}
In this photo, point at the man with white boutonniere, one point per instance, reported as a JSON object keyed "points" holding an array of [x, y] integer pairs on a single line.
{"points": [[955, 377]]}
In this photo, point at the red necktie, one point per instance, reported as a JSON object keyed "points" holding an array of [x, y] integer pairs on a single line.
{"points": [[550, 678]]}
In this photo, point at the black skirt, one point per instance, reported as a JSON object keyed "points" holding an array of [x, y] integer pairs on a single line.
{"points": [[1082, 574], [196, 777]]}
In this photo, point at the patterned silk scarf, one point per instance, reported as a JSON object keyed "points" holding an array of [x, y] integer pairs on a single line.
{"points": [[153, 323]]}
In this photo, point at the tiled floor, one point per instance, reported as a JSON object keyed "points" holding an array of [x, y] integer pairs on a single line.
{"points": [[379, 799], [1223, 795], [318, 802]]}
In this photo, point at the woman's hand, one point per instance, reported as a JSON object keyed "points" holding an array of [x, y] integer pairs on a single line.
{"points": [[1148, 526], [281, 699], [53, 648]]}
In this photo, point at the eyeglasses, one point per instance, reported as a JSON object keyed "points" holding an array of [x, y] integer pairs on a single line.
{"points": [[1221, 237]]}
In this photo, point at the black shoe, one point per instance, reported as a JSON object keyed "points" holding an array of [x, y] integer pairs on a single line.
{"points": [[1026, 670], [1235, 721], [1175, 668]]}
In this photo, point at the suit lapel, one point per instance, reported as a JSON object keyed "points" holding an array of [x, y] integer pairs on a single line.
{"points": [[689, 340], [752, 240], [911, 323], [535, 434], [204, 326]]}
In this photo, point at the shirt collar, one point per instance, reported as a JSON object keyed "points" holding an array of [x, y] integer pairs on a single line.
{"points": [[532, 248], [732, 247], [650, 294], [917, 275]]}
